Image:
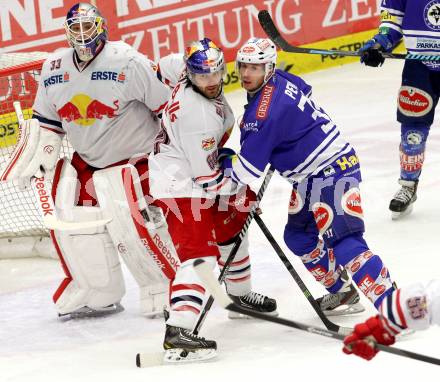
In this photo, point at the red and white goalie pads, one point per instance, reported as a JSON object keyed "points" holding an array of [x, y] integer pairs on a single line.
{"points": [[140, 234], [90, 261], [36, 152]]}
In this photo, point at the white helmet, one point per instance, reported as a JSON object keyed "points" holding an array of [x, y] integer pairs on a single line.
{"points": [[258, 51]]}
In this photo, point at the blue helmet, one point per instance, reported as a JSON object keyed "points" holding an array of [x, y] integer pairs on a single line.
{"points": [[86, 30], [203, 57]]}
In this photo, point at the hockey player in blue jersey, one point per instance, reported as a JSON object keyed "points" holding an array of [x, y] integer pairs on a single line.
{"points": [[283, 126], [418, 22]]}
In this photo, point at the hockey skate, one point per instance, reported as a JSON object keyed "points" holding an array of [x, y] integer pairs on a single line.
{"points": [[344, 302], [254, 301], [182, 346], [86, 312], [402, 202]]}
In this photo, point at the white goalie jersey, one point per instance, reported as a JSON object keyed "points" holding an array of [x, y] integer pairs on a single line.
{"points": [[185, 163], [108, 108]]}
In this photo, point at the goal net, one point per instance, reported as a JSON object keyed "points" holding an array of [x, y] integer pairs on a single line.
{"points": [[22, 232]]}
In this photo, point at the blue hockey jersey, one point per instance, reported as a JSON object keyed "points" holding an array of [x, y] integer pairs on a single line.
{"points": [[417, 21], [283, 126]]}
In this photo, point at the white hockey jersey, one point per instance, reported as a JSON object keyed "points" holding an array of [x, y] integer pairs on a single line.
{"points": [[108, 109], [414, 306], [185, 163]]}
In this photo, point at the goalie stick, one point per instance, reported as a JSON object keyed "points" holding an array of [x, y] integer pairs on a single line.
{"points": [[329, 325], [45, 203], [272, 32], [206, 275], [237, 244]]}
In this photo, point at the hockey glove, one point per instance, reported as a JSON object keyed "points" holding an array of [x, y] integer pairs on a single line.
{"points": [[225, 153], [362, 342], [372, 50]]}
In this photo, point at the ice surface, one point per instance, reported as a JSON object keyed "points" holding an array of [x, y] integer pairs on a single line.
{"points": [[36, 346]]}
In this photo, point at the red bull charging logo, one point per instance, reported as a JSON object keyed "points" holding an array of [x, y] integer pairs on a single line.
{"points": [[84, 111]]}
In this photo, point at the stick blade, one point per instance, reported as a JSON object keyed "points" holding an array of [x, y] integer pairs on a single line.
{"points": [[205, 274]]}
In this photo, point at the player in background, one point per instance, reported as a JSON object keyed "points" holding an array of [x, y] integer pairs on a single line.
{"points": [[418, 23], [415, 307], [105, 96], [283, 126], [205, 211]]}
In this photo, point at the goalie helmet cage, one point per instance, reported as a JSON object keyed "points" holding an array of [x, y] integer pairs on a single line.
{"points": [[22, 233]]}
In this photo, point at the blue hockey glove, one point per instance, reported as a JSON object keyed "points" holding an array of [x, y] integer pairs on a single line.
{"points": [[372, 50]]}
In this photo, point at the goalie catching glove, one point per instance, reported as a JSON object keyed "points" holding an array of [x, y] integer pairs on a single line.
{"points": [[35, 154]]}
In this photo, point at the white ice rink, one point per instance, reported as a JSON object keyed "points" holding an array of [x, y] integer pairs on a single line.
{"points": [[36, 346]]}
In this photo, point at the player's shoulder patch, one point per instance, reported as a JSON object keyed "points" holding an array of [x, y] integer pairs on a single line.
{"points": [[265, 101]]}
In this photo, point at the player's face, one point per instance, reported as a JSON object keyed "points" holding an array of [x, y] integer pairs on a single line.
{"points": [[209, 84], [251, 76], [83, 29]]}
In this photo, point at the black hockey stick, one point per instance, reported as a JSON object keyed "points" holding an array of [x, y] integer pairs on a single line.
{"points": [[205, 273], [272, 32], [329, 325], [237, 244]]}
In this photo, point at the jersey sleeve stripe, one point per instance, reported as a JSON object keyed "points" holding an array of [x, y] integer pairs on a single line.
{"points": [[318, 150], [216, 187], [249, 166], [345, 150], [236, 178], [210, 181], [208, 177], [392, 26], [242, 173], [399, 309], [46, 121], [393, 11]]}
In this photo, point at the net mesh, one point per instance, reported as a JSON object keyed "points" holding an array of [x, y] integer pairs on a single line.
{"points": [[19, 76]]}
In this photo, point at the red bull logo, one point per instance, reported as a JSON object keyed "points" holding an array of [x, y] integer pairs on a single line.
{"points": [[84, 111]]}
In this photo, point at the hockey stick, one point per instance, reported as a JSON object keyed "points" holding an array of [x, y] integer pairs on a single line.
{"points": [[272, 32], [45, 203], [237, 244], [204, 272], [329, 325]]}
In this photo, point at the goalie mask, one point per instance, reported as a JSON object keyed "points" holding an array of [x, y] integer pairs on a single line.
{"points": [[258, 51], [205, 66], [86, 30]]}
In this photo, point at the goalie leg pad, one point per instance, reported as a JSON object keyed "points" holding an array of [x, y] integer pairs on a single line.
{"points": [[139, 232], [94, 276]]}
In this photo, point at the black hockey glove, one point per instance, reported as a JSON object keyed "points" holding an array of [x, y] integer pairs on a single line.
{"points": [[372, 50]]}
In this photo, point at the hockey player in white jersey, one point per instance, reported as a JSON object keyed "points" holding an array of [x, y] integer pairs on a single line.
{"points": [[106, 97], [205, 210], [415, 307]]}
